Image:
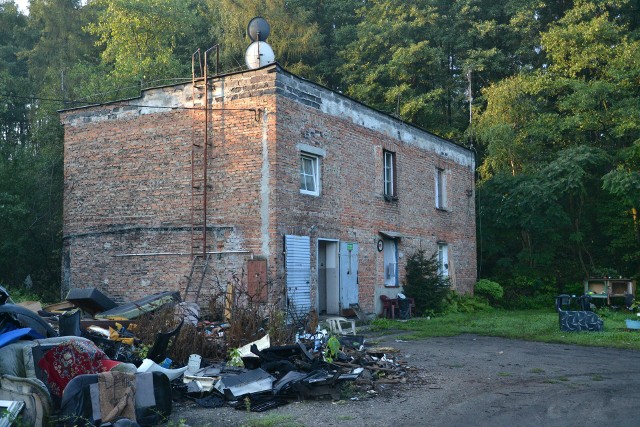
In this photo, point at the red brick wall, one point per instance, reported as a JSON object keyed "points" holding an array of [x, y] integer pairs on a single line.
{"points": [[127, 217], [128, 186], [352, 207]]}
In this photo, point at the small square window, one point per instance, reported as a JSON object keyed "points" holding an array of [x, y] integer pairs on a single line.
{"points": [[390, 187], [441, 189], [309, 174]]}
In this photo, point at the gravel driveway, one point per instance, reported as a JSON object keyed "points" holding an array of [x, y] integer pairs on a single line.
{"points": [[473, 380]]}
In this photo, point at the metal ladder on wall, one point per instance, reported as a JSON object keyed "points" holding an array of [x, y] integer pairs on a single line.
{"points": [[196, 278], [199, 189]]}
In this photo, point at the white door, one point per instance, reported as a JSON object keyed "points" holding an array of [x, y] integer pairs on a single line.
{"points": [[298, 266], [348, 274], [390, 256]]}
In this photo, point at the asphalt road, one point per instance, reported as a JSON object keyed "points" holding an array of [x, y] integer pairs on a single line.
{"points": [[476, 381]]}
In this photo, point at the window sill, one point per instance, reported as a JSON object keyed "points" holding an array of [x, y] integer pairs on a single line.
{"points": [[442, 209], [308, 193], [391, 286], [390, 199]]}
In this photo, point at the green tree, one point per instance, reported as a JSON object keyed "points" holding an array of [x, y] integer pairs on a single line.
{"points": [[141, 38], [293, 35], [336, 21], [427, 60], [425, 284], [551, 138]]}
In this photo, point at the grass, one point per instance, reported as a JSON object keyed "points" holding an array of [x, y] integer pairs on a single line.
{"points": [[531, 325], [273, 420]]}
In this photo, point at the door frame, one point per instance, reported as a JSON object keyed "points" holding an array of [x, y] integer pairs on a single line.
{"points": [[337, 243]]}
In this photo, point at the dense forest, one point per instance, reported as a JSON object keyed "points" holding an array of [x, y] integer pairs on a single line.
{"points": [[546, 92]]}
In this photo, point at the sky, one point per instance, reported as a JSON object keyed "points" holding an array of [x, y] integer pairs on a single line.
{"points": [[23, 5]]}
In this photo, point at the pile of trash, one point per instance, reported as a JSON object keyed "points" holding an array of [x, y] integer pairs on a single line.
{"points": [[318, 365], [79, 363]]}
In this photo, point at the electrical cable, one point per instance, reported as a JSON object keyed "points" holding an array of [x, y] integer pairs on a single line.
{"points": [[124, 103]]}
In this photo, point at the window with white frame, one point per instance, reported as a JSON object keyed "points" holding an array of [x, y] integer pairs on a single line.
{"points": [[443, 259], [389, 174], [310, 174], [441, 188]]}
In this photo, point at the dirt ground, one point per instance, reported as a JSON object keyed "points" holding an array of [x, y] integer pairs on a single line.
{"points": [[473, 380]]}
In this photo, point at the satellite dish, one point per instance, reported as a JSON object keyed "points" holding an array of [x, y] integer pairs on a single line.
{"points": [[258, 29], [258, 55]]}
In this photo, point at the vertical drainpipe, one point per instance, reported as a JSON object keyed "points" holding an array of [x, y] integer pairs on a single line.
{"points": [[264, 188]]}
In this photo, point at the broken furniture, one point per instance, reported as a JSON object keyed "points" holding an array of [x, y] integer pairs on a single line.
{"points": [[139, 307], [9, 411], [67, 360], [152, 400], [9, 337], [90, 300], [149, 365], [254, 381], [22, 379], [576, 320], [335, 325], [14, 316], [158, 352], [69, 323], [607, 288], [389, 306], [34, 394]]}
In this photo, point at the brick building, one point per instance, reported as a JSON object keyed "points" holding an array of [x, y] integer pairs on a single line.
{"points": [[319, 196]]}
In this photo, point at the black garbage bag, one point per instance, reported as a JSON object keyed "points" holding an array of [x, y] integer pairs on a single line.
{"points": [[404, 305]]}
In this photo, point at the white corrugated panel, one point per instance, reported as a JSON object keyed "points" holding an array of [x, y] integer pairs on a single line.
{"points": [[298, 265]]}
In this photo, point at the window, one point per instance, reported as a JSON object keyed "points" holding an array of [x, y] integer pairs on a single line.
{"points": [[441, 189], [389, 174], [443, 259], [309, 174]]}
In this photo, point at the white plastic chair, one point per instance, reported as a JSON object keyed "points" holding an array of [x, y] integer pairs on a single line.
{"points": [[335, 325]]}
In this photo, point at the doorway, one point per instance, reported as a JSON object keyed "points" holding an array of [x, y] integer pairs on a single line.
{"points": [[328, 277]]}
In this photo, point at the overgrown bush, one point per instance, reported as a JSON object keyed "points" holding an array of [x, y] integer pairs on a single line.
{"points": [[425, 284], [23, 294], [489, 289], [191, 339], [250, 315], [456, 303], [524, 292]]}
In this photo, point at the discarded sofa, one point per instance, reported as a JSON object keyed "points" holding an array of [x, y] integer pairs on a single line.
{"points": [[21, 379], [577, 320]]}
